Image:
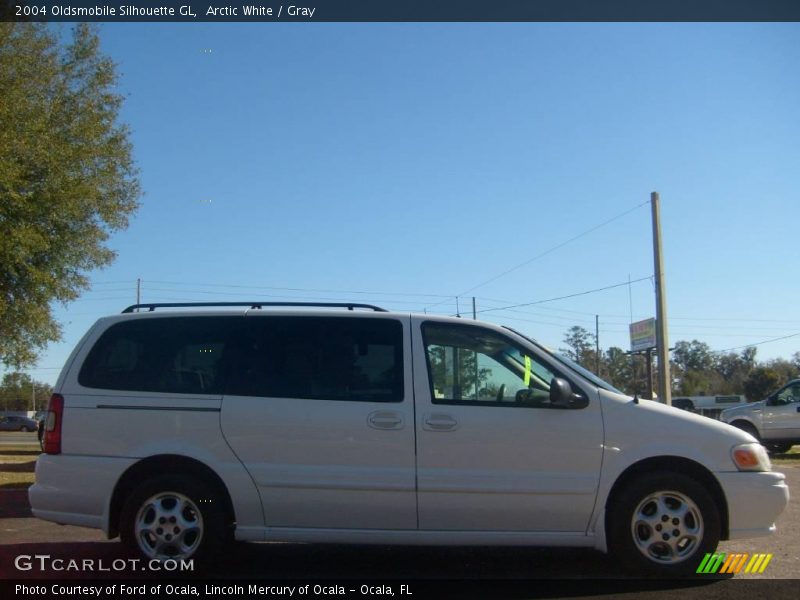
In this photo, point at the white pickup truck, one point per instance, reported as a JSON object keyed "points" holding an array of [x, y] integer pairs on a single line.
{"points": [[774, 421], [708, 406]]}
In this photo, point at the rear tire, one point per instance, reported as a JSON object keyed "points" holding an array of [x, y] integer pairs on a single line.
{"points": [[174, 517], [663, 524]]}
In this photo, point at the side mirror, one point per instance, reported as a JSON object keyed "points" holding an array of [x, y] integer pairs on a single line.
{"points": [[562, 396]]}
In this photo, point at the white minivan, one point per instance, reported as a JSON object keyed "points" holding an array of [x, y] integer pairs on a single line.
{"points": [[182, 429]]}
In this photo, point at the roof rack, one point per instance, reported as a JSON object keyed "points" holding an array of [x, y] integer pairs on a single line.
{"points": [[347, 305]]}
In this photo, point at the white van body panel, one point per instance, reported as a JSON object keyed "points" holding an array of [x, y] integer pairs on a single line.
{"points": [[325, 463], [376, 472], [505, 468]]}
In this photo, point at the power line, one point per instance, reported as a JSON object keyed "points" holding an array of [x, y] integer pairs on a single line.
{"points": [[785, 337], [602, 289], [550, 250], [261, 294], [625, 319], [734, 319], [449, 298], [289, 289]]}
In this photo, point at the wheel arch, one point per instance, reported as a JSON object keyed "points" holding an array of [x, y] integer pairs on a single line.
{"points": [[740, 421], [673, 464], [159, 465]]}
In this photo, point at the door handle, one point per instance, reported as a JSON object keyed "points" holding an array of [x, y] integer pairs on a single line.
{"points": [[385, 419], [440, 423]]}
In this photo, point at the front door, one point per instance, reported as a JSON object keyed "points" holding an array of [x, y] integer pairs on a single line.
{"points": [[492, 453], [781, 418]]}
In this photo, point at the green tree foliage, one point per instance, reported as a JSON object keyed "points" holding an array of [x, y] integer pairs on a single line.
{"points": [[618, 369], [785, 369], [693, 363], [67, 178], [16, 392], [734, 368], [580, 347], [692, 356], [695, 369], [700, 371], [459, 372], [761, 382]]}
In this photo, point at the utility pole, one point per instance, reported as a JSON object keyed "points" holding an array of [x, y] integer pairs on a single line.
{"points": [[477, 372], [597, 345], [138, 291], [662, 342]]}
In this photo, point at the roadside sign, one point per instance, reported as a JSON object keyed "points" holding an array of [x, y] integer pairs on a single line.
{"points": [[643, 335]]}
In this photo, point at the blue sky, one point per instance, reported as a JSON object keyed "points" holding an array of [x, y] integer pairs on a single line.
{"points": [[418, 161]]}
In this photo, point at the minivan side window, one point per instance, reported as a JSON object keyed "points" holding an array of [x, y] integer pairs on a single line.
{"points": [[176, 355], [320, 358], [475, 366]]}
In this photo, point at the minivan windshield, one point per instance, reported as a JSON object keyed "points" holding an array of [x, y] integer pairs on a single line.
{"points": [[572, 365]]}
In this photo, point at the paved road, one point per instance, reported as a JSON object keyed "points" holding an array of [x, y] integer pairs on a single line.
{"points": [[20, 534]]}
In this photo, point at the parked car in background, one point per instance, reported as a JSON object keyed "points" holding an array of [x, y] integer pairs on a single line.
{"points": [[179, 430], [774, 421], [17, 424]]}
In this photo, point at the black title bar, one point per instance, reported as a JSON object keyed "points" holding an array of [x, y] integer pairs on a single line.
{"points": [[401, 10]]}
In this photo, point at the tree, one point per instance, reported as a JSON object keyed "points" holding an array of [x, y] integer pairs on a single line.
{"points": [[785, 369], [618, 370], [694, 364], [462, 376], [732, 370], [580, 347], [760, 382], [17, 389], [693, 356], [67, 178]]}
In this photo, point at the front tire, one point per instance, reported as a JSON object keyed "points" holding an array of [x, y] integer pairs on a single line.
{"points": [[747, 427], [779, 447], [174, 517], [663, 524]]}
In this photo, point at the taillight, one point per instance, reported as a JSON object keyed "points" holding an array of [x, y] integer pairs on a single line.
{"points": [[52, 426]]}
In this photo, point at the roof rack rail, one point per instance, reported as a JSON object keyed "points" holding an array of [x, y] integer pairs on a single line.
{"points": [[348, 305]]}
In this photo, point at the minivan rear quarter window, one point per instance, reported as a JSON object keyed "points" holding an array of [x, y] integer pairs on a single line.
{"points": [[176, 355]]}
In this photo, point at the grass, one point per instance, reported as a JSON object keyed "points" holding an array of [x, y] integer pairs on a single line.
{"points": [[792, 457], [17, 463]]}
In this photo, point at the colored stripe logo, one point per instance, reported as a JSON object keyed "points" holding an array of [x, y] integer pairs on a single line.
{"points": [[720, 562]]}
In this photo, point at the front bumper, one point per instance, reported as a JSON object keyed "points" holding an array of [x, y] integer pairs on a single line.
{"points": [[755, 500]]}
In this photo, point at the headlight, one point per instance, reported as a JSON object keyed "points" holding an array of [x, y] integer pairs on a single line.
{"points": [[750, 457]]}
